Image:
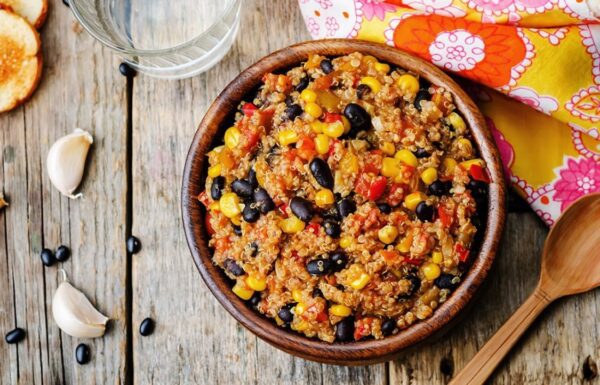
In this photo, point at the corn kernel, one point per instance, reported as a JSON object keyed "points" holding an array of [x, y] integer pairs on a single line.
{"points": [[232, 137], [369, 59], [388, 148], [465, 144], [299, 308], [230, 205], [215, 170], [456, 121], [322, 144], [334, 130], [412, 200], [429, 175], [300, 326], [226, 159], [317, 126], [291, 225], [361, 281], [309, 96], [346, 124], [324, 197], [345, 242], [372, 82], [437, 257], [340, 310], [286, 137], [390, 167], [313, 109], [431, 271], [408, 84], [256, 283], [242, 291], [349, 163], [448, 166], [382, 67], [404, 245], [407, 158], [466, 165], [297, 295], [387, 234]]}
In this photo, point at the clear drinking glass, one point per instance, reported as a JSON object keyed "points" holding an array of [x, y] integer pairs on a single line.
{"points": [[163, 38]]}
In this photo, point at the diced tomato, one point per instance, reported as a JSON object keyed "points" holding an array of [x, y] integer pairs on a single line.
{"points": [[252, 138], [322, 317], [329, 117], [413, 261], [313, 227], [371, 189], [265, 118], [446, 217], [209, 228], [290, 154], [373, 162], [324, 82], [283, 209], [479, 173], [396, 194], [203, 198], [463, 253], [306, 147], [390, 257], [248, 109]]}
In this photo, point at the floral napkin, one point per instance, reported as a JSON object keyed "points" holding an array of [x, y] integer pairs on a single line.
{"points": [[534, 70]]}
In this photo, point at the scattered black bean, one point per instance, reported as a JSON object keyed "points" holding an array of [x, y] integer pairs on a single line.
{"points": [[232, 267], [332, 214], [388, 326], [285, 313], [319, 266], [62, 253], [126, 70], [293, 111], [242, 187], [252, 178], [362, 90], [254, 249], [255, 299], [317, 293], [339, 260], [47, 257], [421, 95], [14, 336], [326, 66], [302, 84], [384, 208], [302, 208], [446, 281], [332, 229], [359, 118], [289, 100], [415, 284], [216, 188], [346, 207], [237, 230], [322, 173], [344, 330], [82, 354], [421, 153], [439, 188], [250, 213], [424, 212], [478, 188], [263, 200], [147, 327]]}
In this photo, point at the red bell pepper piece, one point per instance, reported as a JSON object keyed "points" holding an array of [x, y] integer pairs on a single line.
{"points": [[479, 173], [209, 228], [445, 217], [463, 253], [329, 117], [248, 109], [203, 198]]}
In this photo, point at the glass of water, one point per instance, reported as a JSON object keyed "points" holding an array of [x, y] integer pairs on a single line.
{"points": [[170, 39]]}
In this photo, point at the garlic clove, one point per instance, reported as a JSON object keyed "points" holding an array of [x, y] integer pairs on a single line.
{"points": [[66, 161], [74, 313], [3, 203]]}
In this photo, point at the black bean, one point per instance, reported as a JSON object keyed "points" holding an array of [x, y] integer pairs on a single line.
{"points": [[293, 111], [147, 327], [332, 214], [242, 187], [319, 266], [254, 249], [439, 188], [421, 153], [446, 281], [62, 253], [326, 66], [415, 283], [232, 267], [216, 188], [388, 326], [421, 95], [252, 178], [285, 313], [289, 100], [359, 118], [346, 206], [14, 336], [250, 213], [126, 70], [332, 229], [339, 260], [82, 354], [478, 188], [362, 90], [237, 230], [384, 208], [424, 212], [133, 245], [302, 208], [322, 173], [47, 257], [302, 84], [263, 200], [255, 299], [344, 330]]}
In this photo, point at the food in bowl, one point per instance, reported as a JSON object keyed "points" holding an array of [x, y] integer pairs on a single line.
{"points": [[346, 198]]}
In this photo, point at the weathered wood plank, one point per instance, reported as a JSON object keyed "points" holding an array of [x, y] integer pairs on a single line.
{"points": [[80, 87], [196, 341]]}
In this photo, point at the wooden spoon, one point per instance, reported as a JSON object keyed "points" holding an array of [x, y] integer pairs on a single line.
{"points": [[570, 265]]}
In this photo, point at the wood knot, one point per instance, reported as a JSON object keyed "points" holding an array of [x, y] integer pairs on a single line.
{"points": [[447, 366], [590, 369]]}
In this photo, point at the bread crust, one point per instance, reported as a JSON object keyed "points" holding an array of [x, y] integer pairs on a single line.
{"points": [[41, 17]]}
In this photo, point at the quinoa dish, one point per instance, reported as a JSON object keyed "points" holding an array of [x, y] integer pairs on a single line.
{"points": [[346, 198]]}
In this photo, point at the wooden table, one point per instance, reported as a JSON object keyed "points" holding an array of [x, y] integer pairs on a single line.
{"points": [[142, 129]]}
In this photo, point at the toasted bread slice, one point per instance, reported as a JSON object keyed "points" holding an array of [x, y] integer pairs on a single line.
{"points": [[34, 11], [20, 60]]}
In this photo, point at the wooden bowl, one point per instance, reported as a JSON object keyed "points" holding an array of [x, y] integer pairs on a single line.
{"points": [[353, 353]]}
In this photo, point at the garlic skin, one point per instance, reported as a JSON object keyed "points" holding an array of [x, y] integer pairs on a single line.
{"points": [[66, 161], [3, 203], [75, 315]]}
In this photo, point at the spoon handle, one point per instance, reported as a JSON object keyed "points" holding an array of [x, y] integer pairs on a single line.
{"points": [[485, 361]]}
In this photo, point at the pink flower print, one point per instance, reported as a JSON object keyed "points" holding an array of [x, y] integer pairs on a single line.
{"points": [[580, 177], [507, 152], [313, 26], [529, 96], [324, 3], [332, 26], [376, 8], [498, 7]]}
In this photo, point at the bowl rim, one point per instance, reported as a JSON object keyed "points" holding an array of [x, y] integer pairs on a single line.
{"points": [[361, 352]]}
